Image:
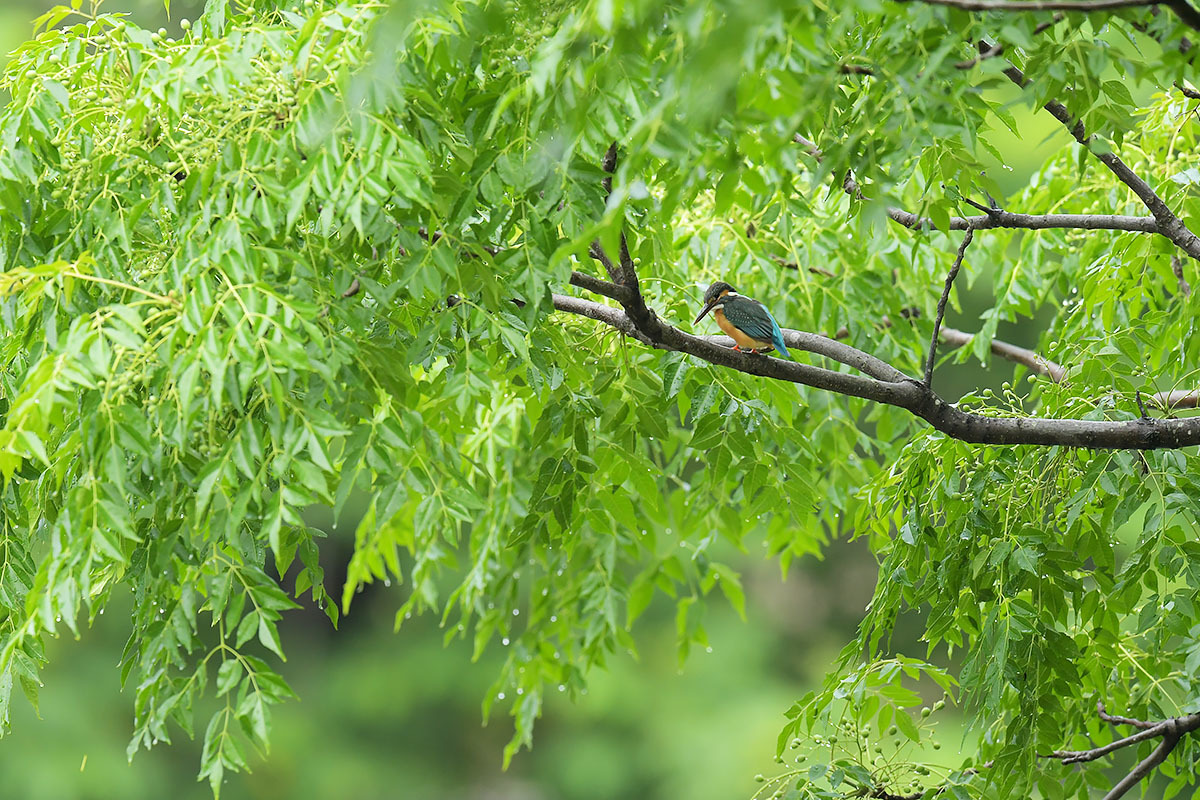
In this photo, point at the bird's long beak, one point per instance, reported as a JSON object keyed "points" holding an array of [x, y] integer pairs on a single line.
{"points": [[707, 309]]}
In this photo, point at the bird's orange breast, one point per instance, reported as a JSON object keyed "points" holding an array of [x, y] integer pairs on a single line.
{"points": [[734, 333]]}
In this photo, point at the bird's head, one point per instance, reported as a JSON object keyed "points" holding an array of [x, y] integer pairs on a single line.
{"points": [[714, 296]]}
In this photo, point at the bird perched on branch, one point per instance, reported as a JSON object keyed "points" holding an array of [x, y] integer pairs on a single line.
{"points": [[747, 321]]}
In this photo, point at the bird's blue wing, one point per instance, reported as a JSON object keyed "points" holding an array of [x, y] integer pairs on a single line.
{"points": [[754, 320]]}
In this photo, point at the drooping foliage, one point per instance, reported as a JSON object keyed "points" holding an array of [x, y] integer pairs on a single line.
{"points": [[302, 256]]}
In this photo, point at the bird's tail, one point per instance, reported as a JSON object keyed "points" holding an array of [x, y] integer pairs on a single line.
{"points": [[777, 342]]}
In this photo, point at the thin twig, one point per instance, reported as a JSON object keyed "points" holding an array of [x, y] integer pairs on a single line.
{"points": [[941, 308], [809, 145], [1137, 395], [1185, 288], [998, 48], [783, 262]]}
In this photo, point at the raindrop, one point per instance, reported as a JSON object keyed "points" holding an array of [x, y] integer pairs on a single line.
{"points": [[520, 691], [387, 581], [500, 696], [562, 687], [545, 592], [554, 617], [516, 612], [504, 641], [559, 573], [708, 649]]}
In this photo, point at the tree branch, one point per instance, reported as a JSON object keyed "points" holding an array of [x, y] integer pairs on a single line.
{"points": [[830, 348], [1187, 91], [1169, 225], [1185, 288], [1169, 740], [1184, 10], [1010, 352], [941, 307], [911, 395], [998, 48], [998, 218], [1112, 719], [624, 272], [610, 290], [1170, 730]]}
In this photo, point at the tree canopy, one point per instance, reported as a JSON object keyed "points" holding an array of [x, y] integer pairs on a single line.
{"points": [[443, 257]]}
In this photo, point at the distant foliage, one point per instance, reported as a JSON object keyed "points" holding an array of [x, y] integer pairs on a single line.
{"points": [[304, 255]]}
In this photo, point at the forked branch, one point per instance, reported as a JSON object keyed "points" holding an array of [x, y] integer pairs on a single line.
{"points": [[1168, 222], [1169, 732]]}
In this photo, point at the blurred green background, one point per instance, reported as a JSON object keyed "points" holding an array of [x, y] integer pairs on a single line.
{"points": [[386, 715]]}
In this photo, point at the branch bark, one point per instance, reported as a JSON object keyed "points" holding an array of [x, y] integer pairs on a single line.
{"points": [[1010, 352], [998, 218]]}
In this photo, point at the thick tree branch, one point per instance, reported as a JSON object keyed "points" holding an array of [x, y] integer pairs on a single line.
{"points": [[941, 307], [1182, 8], [624, 272], [1169, 225], [1187, 91], [830, 348], [911, 395]]}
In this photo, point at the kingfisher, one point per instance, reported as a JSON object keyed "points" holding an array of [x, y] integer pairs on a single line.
{"points": [[747, 321]]}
